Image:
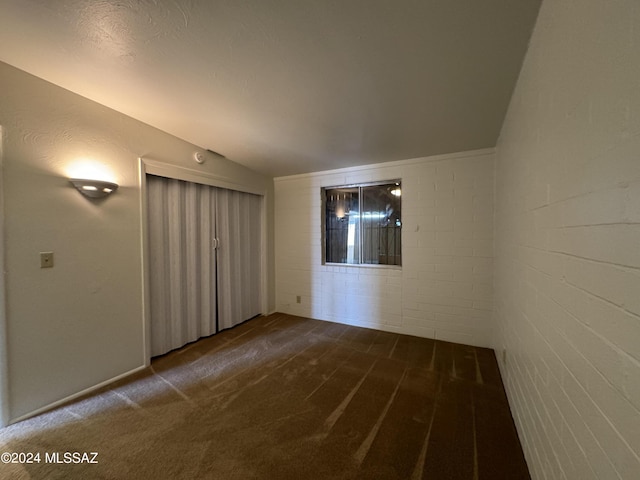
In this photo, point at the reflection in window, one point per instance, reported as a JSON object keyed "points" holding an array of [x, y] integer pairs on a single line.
{"points": [[363, 224]]}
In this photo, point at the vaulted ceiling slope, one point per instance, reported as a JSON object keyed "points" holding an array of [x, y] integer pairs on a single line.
{"points": [[286, 86]]}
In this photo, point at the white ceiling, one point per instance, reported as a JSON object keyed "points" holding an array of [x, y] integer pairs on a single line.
{"points": [[286, 86]]}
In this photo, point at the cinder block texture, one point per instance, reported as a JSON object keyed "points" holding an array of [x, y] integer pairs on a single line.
{"points": [[567, 233], [444, 288]]}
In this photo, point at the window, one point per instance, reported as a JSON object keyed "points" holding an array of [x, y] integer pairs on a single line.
{"points": [[363, 224]]}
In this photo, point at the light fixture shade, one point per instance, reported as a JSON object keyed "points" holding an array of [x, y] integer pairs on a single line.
{"points": [[94, 188]]}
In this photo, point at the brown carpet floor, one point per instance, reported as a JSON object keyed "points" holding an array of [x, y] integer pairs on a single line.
{"points": [[283, 397]]}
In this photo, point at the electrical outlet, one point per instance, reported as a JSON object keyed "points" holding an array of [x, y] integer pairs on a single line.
{"points": [[46, 259], [298, 299]]}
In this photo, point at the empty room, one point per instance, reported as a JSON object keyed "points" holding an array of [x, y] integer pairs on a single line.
{"points": [[320, 239]]}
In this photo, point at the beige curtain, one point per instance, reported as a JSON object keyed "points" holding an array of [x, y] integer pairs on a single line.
{"points": [[204, 260], [238, 227]]}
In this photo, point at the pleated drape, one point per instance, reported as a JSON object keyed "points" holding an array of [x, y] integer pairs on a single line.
{"points": [[182, 270], [238, 226], [194, 291]]}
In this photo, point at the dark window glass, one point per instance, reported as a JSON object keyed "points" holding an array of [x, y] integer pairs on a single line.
{"points": [[363, 224], [342, 232]]}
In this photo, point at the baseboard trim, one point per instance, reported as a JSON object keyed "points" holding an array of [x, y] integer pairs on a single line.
{"points": [[57, 403]]}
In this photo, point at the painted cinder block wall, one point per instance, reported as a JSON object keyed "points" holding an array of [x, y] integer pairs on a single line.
{"points": [[568, 243], [444, 289]]}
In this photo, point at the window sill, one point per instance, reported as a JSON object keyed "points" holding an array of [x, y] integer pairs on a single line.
{"points": [[363, 265]]}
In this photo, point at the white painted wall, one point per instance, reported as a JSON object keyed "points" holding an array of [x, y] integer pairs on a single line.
{"points": [[80, 323], [568, 243], [444, 288]]}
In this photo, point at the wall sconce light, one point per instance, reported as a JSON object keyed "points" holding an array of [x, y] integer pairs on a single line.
{"points": [[94, 188]]}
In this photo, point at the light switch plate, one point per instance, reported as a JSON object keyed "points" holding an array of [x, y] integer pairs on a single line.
{"points": [[46, 259]]}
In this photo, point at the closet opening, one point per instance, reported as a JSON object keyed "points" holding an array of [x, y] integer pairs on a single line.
{"points": [[203, 259]]}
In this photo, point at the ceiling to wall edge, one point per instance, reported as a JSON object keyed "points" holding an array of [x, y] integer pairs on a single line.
{"points": [[392, 163]]}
